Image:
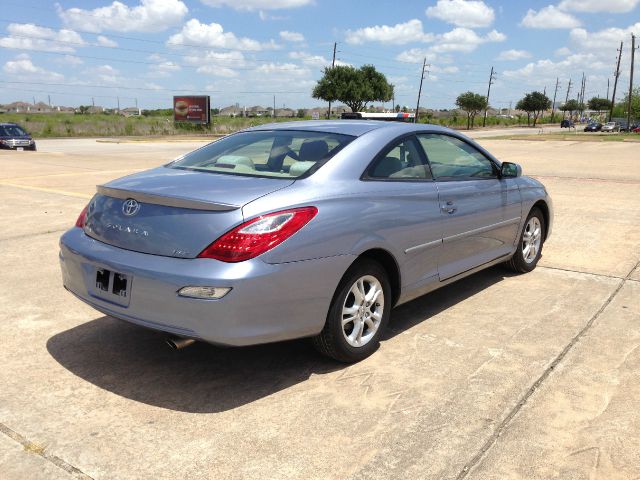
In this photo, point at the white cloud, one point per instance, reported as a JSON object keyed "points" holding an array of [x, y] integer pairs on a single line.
{"points": [[23, 67], [562, 52], [546, 70], [398, 34], [26, 36], [608, 39], [213, 35], [164, 67], [549, 17], [104, 73], [106, 42], [291, 36], [288, 69], [251, 5], [69, 61], [464, 40], [217, 64], [513, 54], [462, 13], [417, 55], [149, 16], [592, 6], [313, 60]]}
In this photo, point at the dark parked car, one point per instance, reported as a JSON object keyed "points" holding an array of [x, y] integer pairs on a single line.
{"points": [[593, 127], [566, 124], [13, 137]]}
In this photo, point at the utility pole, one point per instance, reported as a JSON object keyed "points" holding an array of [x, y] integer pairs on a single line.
{"points": [[491, 79], [564, 114], [553, 105], [633, 52], [118, 98], [49, 97], [615, 82], [424, 65], [584, 86], [333, 64], [93, 102], [274, 106], [607, 88]]}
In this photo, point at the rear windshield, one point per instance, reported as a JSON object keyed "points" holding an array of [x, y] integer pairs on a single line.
{"points": [[276, 153], [11, 131]]}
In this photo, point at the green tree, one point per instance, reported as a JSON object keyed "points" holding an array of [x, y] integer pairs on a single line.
{"points": [[83, 109], [571, 106], [354, 87], [300, 113], [398, 108], [472, 103], [599, 104], [534, 103], [623, 105]]}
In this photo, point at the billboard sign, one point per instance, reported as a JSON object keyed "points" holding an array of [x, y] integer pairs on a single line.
{"points": [[192, 109]]}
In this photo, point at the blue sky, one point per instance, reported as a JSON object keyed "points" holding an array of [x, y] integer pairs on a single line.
{"points": [[247, 51]]}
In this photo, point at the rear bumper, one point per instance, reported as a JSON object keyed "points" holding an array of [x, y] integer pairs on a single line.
{"points": [[267, 303]]}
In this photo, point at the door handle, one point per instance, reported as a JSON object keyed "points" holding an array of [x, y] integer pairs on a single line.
{"points": [[448, 207]]}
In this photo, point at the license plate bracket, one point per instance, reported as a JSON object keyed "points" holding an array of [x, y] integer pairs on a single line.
{"points": [[112, 286]]}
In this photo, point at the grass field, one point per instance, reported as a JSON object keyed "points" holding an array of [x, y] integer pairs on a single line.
{"points": [[106, 125], [573, 137]]}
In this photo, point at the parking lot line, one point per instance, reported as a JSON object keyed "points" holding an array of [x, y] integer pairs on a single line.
{"points": [[47, 190]]}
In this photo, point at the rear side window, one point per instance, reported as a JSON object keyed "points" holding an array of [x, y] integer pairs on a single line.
{"points": [[276, 153], [453, 159], [402, 161]]}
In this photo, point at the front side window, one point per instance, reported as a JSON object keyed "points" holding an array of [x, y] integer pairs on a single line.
{"points": [[276, 153], [453, 159], [12, 131], [401, 161]]}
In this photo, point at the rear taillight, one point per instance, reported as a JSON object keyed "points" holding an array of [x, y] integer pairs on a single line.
{"points": [[259, 235], [82, 218]]}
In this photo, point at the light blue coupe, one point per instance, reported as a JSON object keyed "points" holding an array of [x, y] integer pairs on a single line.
{"points": [[305, 229]]}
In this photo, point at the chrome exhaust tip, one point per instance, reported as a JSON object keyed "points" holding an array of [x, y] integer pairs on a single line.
{"points": [[178, 343]]}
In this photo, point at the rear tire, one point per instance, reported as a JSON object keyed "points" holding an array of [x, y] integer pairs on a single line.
{"points": [[358, 314], [530, 243]]}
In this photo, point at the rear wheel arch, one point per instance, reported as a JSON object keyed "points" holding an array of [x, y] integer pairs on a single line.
{"points": [[390, 265]]}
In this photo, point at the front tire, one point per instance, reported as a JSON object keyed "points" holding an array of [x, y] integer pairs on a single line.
{"points": [[358, 314], [530, 243]]}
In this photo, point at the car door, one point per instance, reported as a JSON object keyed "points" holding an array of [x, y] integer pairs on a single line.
{"points": [[480, 212], [407, 212]]}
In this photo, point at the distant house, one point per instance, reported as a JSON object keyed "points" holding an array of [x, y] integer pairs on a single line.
{"points": [[231, 111], [258, 111], [285, 113], [321, 112], [130, 112], [18, 107]]}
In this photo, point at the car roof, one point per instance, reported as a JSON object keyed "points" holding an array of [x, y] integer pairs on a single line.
{"points": [[354, 128], [9, 124]]}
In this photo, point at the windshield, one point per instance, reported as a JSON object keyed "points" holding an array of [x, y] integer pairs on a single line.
{"points": [[11, 131], [276, 153]]}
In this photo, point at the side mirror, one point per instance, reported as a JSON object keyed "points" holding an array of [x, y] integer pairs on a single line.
{"points": [[510, 170]]}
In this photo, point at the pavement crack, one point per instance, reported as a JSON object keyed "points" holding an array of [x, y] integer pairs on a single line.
{"points": [[31, 235], [477, 458], [37, 450]]}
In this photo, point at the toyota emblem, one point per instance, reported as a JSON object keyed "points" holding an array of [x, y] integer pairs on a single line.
{"points": [[130, 207]]}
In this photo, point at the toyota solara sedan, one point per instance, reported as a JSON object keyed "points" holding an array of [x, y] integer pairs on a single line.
{"points": [[306, 229]]}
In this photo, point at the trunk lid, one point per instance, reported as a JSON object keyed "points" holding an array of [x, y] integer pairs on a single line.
{"points": [[172, 212]]}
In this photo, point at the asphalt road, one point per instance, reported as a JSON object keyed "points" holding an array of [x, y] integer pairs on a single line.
{"points": [[498, 376]]}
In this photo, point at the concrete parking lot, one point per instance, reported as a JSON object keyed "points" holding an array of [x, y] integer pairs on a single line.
{"points": [[496, 377]]}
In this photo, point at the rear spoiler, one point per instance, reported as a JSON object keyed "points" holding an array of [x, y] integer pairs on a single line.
{"points": [[169, 201]]}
